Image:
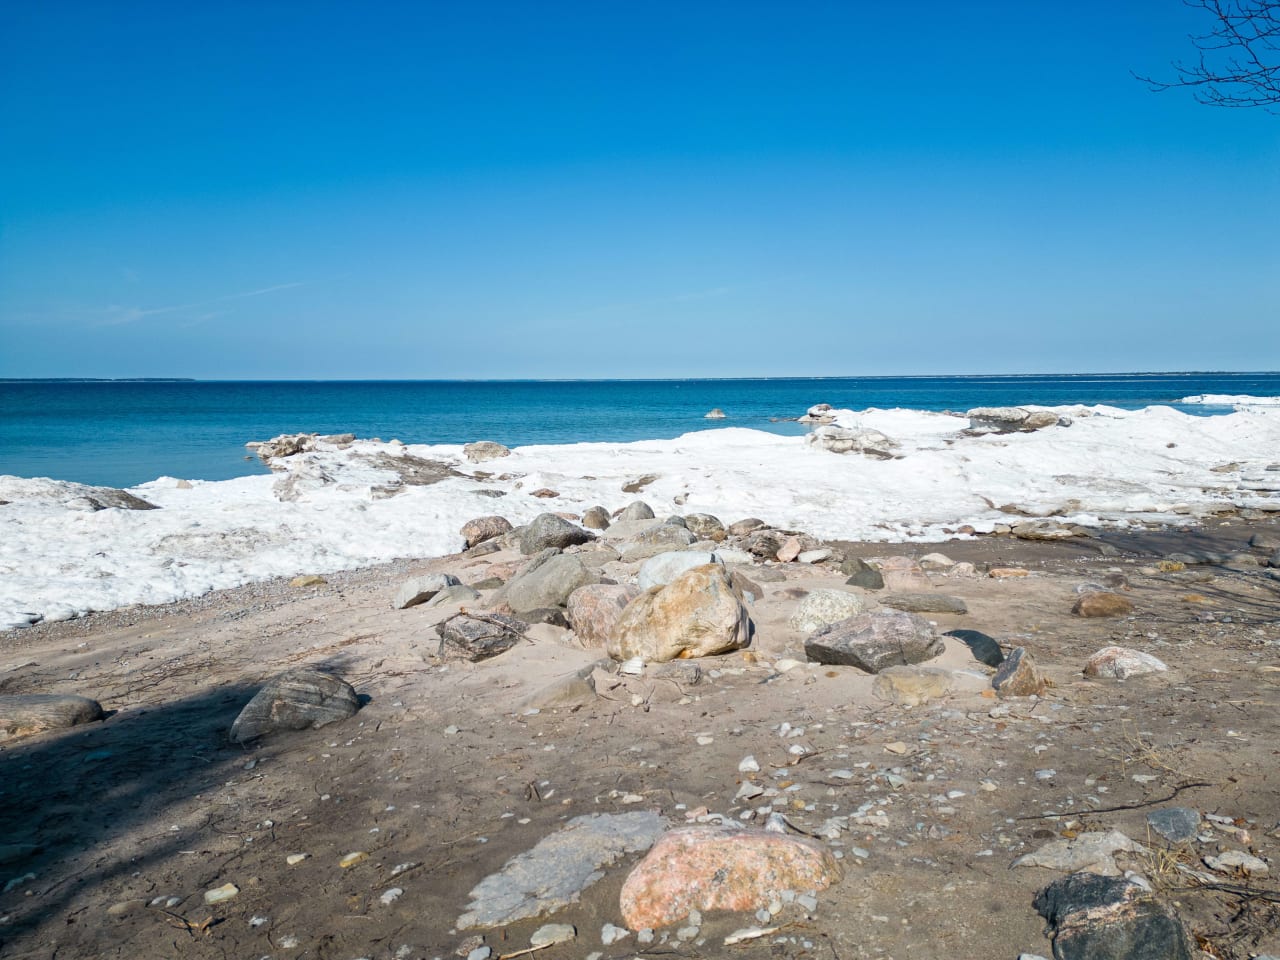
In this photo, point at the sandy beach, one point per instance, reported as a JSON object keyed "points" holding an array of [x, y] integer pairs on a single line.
{"points": [[452, 768]]}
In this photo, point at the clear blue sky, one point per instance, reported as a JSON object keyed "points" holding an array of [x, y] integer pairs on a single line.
{"points": [[342, 190]]}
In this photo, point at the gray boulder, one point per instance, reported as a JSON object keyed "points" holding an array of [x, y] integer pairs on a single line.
{"points": [[869, 443], [637, 510], [862, 574], [478, 637], [483, 450], [656, 539], [1011, 420], [547, 530], [302, 699], [546, 584], [421, 589], [596, 518], [873, 641]]}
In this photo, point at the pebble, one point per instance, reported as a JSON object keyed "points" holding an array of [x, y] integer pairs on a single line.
{"points": [[391, 896], [480, 953], [703, 740], [294, 859], [219, 894], [124, 907], [551, 933], [610, 934], [1046, 774], [351, 859], [645, 935], [748, 764], [1237, 860]]}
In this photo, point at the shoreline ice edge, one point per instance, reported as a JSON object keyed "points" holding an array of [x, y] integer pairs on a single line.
{"points": [[1109, 467]]}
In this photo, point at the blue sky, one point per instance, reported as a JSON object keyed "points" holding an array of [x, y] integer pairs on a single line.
{"points": [[405, 190]]}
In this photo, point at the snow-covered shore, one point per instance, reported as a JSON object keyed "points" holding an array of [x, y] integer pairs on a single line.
{"points": [[60, 557]]}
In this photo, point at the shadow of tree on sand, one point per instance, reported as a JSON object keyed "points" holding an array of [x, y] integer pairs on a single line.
{"points": [[103, 802]]}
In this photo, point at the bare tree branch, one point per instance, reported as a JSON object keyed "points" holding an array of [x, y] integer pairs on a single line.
{"points": [[1238, 62]]}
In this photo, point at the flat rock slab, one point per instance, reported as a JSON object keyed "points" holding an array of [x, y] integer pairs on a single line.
{"points": [[1175, 824], [24, 715], [555, 872], [297, 700], [874, 641], [721, 868], [924, 603], [1101, 603], [421, 589], [1092, 852], [912, 686]]}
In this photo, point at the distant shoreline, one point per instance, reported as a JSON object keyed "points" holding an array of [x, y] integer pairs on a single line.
{"points": [[98, 380]]}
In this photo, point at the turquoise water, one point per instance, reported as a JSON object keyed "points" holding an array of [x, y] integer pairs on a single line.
{"points": [[120, 433]]}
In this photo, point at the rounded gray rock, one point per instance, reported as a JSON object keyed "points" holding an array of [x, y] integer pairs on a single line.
{"points": [[298, 700]]}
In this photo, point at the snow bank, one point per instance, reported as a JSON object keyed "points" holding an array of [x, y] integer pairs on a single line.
{"points": [[59, 560], [1230, 400]]}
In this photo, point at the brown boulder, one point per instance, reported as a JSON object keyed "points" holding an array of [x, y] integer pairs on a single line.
{"points": [[1100, 603], [695, 615], [1018, 676], [484, 528]]}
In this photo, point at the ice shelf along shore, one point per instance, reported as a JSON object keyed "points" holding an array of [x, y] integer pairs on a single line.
{"points": [[65, 552]]}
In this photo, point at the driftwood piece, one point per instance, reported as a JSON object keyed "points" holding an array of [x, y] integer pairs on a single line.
{"points": [[27, 714]]}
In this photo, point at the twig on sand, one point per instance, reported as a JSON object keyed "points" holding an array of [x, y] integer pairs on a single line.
{"points": [[524, 952], [1124, 806]]}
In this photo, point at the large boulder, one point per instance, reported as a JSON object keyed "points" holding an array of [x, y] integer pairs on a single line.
{"points": [[547, 530], [874, 641], [483, 450], [593, 610], [721, 868], [1018, 676], [912, 686], [869, 443], [660, 570], [822, 608], [546, 584], [484, 528], [1011, 420], [695, 615], [23, 715], [595, 518], [421, 589], [302, 699]]}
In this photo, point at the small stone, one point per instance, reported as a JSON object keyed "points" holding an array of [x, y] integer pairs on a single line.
{"points": [[552, 933], [1237, 861], [480, 953], [351, 859], [609, 934], [125, 907], [221, 894], [391, 896], [1006, 573], [1175, 824], [309, 580], [1091, 852], [748, 764], [294, 859]]}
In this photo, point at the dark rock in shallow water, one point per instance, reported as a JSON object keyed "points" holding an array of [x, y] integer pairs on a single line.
{"points": [[480, 636], [297, 700], [984, 648], [27, 714], [1110, 918]]}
